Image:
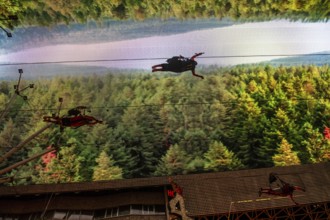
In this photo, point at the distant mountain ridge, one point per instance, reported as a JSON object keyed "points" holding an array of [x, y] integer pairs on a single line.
{"points": [[320, 58]]}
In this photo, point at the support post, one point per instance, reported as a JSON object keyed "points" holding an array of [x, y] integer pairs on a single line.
{"points": [[6, 170], [21, 145], [167, 212]]}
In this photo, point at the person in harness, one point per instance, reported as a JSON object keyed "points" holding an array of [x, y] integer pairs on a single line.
{"points": [[74, 119], [179, 64], [284, 189]]}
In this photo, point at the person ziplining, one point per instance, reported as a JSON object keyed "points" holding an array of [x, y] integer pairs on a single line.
{"points": [[74, 119], [179, 64], [284, 189]]}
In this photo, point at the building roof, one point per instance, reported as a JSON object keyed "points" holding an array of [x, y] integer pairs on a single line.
{"points": [[83, 186], [237, 191], [210, 193]]}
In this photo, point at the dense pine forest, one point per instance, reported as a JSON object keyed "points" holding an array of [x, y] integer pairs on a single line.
{"points": [[49, 12], [247, 116]]}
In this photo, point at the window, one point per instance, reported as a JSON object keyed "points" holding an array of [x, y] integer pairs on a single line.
{"points": [[148, 209], [151, 209], [73, 215], [59, 215], [124, 210], [99, 214], [86, 215], [35, 216], [112, 212], [145, 210], [136, 209], [159, 209], [47, 215], [23, 217]]}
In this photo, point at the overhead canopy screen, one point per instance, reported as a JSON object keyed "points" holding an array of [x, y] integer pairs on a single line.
{"points": [[98, 90]]}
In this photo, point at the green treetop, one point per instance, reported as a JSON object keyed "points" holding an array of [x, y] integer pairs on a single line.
{"points": [[285, 155], [105, 169], [219, 158], [174, 162]]}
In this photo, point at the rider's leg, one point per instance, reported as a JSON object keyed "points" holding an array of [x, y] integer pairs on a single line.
{"points": [[156, 66]]}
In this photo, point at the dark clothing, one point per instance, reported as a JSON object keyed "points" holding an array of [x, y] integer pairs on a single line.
{"points": [[178, 64], [66, 121], [76, 121], [74, 112], [272, 177]]}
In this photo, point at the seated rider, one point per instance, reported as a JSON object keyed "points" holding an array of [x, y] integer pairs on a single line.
{"points": [[284, 189], [179, 64], [78, 121], [76, 111], [74, 119]]}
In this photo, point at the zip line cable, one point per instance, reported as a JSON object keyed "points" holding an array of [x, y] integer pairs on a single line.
{"points": [[161, 58]]}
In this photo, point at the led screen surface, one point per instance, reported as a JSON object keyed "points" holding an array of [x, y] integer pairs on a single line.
{"points": [[263, 101]]}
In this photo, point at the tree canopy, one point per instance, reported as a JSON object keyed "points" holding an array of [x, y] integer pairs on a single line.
{"points": [[247, 116], [49, 12]]}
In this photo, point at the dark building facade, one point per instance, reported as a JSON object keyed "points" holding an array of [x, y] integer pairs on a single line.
{"points": [[222, 195]]}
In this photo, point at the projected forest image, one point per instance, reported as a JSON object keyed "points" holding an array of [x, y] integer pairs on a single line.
{"points": [[81, 97]]}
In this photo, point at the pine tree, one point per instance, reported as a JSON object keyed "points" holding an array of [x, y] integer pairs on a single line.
{"points": [[317, 145], [219, 158], [174, 162], [143, 139], [65, 167], [196, 165], [9, 136], [119, 146], [285, 155], [105, 169]]}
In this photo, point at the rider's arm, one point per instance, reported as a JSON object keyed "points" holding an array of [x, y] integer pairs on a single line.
{"points": [[196, 55]]}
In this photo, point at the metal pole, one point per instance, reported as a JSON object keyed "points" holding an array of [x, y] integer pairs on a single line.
{"points": [[19, 81], [6, 170], [6, 179], [8, 33], [17, 92], [21, 145], [167, 212]]}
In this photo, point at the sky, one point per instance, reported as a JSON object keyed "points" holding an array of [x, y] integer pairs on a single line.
{"points": [[262, 38]]}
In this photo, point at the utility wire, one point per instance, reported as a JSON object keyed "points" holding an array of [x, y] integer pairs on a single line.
{"points": [[161, 58]]}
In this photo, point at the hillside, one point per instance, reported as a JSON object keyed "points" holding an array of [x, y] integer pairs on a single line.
{"points": [[318, 59]]}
